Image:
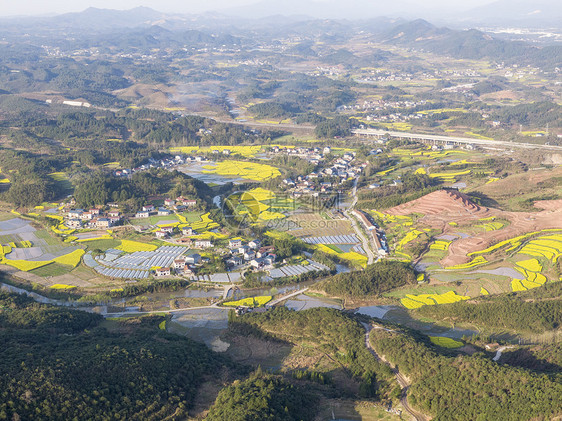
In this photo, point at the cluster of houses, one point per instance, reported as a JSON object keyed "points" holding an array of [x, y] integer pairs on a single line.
{"points": [[253, 254], [182, 266], [327, 179], [312, 155], [167, 163], [179, 204], [92, 218]]}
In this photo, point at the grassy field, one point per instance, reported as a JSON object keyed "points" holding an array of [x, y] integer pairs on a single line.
{"points": [[52, 269], [102, 244]]}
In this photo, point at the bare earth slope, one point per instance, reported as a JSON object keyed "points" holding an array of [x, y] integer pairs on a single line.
{"points": [[444, 206]]}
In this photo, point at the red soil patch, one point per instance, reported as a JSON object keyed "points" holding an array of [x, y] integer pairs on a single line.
{"points": [[444, 206]]}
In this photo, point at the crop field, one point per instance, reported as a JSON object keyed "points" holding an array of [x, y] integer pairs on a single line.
{"points": [[130, 246], [62, 286], [240, 169], [440, 245], [70, 259], [449, 176], [445, 342], [261, 204], [50, 270], [250, 301], [352, 256], [204, 224], [548, 247], [491, 226], [417, 301]]}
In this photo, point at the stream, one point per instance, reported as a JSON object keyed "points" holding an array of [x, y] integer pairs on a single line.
{"points": [[206, 325]]}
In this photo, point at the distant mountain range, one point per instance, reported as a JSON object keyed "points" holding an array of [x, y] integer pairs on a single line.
{"points": [[144, 27], [502, 12], [531, 13]]}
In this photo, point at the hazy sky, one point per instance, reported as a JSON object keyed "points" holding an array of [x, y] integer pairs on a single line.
{"points": [[40, 7]]}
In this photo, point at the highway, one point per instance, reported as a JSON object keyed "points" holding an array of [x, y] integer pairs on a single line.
{"points": [[454, 139]]}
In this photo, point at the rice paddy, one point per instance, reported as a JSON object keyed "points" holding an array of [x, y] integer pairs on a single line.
{"points": [[248, 170]]}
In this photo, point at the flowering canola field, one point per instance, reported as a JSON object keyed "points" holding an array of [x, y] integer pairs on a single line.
{"points": [[249, 170]]}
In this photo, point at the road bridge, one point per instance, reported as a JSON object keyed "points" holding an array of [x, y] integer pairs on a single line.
{"points": [[453, 140]]}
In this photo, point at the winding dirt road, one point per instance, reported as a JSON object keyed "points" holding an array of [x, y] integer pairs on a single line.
{"points": [[402, 381]]}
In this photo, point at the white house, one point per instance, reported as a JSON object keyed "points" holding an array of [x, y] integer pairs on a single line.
{"points": [[142, 214], [163, 272], [161, 234], [249, 255], [75, 213], [203, 244], [235, 243], [103, 223], [74, 223], [179, 263], [164, 212], [148, 208]]}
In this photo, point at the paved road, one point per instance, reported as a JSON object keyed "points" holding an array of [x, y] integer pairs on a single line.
{"points": [[452, 139], [213, 306], [285, 297], [357, 229], [402, 381]]}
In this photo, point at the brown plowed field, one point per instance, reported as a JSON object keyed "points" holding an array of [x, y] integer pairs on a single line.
{"points": [[444, 206]]}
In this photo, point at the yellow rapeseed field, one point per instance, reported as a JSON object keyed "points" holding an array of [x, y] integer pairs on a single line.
{"points": [[250, 301]]}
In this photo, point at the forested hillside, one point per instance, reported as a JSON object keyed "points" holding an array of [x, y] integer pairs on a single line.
{"points": [[332, 333], [132, 372], [264, 397], [533, 311], [375, 279], [461, 387]]}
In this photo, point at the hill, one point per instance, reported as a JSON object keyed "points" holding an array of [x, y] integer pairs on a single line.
{"points": [[467, 44], [133, 371]]}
